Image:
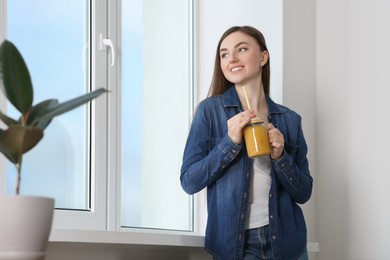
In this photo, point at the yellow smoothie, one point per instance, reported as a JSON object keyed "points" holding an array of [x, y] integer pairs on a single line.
{"points": [[256, 138]]}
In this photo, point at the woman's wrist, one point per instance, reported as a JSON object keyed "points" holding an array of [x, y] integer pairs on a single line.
{"points": [[277, 158]]}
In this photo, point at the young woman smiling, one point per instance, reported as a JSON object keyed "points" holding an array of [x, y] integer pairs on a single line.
{"points": [[253, 203]]}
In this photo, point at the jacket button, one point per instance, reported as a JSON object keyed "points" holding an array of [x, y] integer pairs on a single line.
{"points": [[273, 237], [271, 216]]}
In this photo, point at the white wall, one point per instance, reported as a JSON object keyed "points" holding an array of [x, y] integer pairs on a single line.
{"points": [[353, 86]]}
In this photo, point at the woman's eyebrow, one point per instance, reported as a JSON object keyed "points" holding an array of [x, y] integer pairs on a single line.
{"points": [[235, 46]]}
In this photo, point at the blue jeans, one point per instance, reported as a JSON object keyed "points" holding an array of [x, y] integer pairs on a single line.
{"points": [[258, 245]]}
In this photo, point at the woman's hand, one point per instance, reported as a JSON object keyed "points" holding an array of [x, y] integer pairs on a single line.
{"points": [[237, 123], [276, 140]]}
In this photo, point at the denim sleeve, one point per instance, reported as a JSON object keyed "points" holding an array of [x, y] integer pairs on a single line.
{"points": [[293, 169], [203, 160]]}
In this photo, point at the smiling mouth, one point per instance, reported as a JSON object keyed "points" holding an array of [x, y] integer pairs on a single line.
{"points": [[236, 69]]}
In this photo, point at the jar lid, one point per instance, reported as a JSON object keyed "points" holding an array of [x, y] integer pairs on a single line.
{"points": [[256, 120]]}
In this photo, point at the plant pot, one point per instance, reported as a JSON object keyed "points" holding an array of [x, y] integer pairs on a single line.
{"points": [[25, 224]]}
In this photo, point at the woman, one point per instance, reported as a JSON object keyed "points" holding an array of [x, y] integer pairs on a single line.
{"points": [[253, 210]]}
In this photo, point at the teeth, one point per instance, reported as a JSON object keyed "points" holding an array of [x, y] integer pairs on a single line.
{"points": [[237, 68]]}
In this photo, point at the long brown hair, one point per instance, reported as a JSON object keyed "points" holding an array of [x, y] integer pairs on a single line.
{"points": [[219, 83]]}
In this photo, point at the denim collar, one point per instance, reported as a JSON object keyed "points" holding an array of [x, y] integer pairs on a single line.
{"points": [[230, 99]]}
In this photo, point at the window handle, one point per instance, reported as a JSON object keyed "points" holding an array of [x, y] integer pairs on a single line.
{"points": [[107, 43]]}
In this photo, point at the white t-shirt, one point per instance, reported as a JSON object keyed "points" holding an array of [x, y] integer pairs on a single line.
{"points": [[260, 187]]}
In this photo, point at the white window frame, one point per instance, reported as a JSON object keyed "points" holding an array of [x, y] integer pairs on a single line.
{"points": [[96, 218], [102, 224], [114, 132]]}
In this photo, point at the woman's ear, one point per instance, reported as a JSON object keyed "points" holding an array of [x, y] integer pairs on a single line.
{"points": [[264, 58]]}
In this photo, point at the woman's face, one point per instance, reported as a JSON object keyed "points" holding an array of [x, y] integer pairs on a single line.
{"points": [[241, 58]]}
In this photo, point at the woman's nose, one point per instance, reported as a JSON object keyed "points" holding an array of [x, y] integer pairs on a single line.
{"points": [[233, 58]]}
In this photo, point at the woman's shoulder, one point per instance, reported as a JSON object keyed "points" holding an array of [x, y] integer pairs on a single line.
{"points": [[212, 99], [209, 107], [210, 102]]}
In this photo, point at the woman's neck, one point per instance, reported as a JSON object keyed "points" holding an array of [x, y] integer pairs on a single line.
{"points": [[256, 98]]}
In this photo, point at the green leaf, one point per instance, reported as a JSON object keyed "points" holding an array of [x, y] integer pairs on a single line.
{"points": [[71, 104], [40, 109], [15, 80], [12, 157], [17, 140], [7, 120]]}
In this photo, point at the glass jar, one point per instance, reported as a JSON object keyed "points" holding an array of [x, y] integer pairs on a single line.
{"points": [[256, 138]]}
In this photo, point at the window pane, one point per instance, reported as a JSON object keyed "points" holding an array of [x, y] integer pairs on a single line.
{"points": [[53, 38], [156, 91]]}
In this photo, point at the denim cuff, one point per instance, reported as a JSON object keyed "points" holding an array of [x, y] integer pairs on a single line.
{"points": [[230, 149]]}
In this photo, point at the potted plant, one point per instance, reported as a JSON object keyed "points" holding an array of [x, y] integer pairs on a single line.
{"points": [[19, 136]]}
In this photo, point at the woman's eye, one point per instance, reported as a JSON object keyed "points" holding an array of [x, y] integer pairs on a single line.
{"points": [[223, 55], [243, 49]]}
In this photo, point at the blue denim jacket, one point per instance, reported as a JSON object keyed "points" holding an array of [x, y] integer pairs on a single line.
{"points": [[212, 160]]}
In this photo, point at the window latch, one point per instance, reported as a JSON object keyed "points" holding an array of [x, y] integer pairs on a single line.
{"points": [[103, 43]]}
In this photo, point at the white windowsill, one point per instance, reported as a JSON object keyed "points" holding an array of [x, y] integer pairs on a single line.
{"points": [[138, 237], [127, 237]]}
